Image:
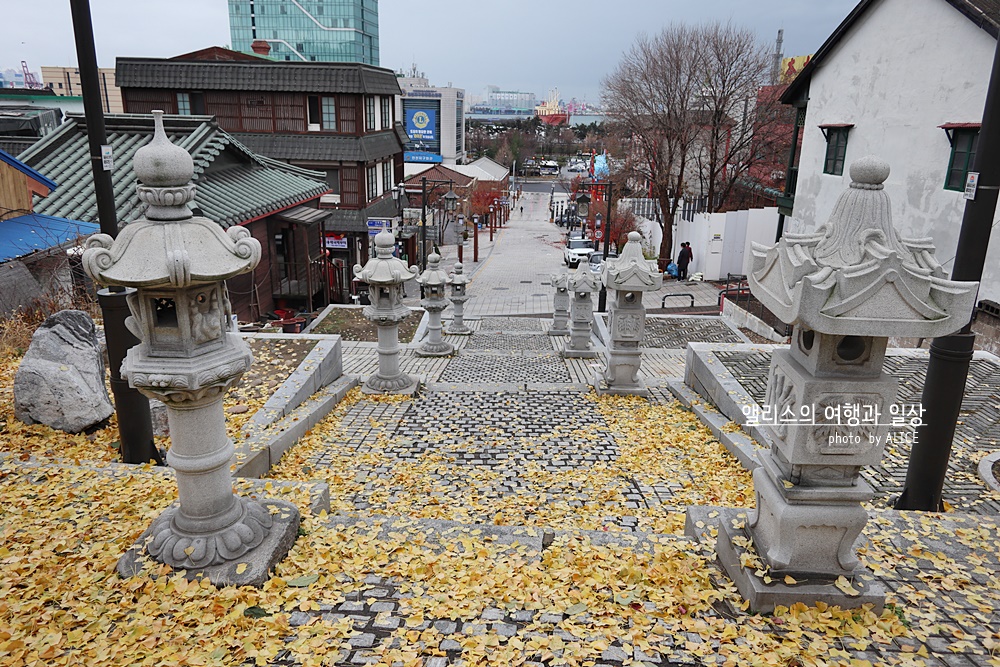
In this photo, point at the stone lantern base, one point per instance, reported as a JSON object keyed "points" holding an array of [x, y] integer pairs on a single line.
{"points": [[259, 561], [439, 349], [404, 384], [735, 542], [601, 386]]}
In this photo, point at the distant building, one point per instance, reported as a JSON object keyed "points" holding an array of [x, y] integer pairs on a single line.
{"points": [[338, 118], [65, 82], [434, 118], [344, 31], [509, 99]]}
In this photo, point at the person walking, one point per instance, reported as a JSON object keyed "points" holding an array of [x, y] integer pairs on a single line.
{"points": [[683, 259]]}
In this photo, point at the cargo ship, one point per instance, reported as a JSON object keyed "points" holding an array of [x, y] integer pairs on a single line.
{"points": [[551, 112]]}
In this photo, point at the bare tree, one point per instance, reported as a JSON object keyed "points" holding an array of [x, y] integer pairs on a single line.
{"points": [[683, 102]]}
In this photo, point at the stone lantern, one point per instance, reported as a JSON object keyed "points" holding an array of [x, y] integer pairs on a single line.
{"points": [[188, 357], [386, 275], [560, 304], [846, 288], [434, 281], [459, 284], [629, 276], [581, 284]]}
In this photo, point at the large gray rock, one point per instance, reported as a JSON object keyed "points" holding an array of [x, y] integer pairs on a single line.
{"points": [[60, 382]]}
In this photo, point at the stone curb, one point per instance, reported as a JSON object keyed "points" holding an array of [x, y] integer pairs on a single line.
{"points": [[319, 492], [985, 469], [256, 455], [440, 532], [322, 365], [738, 443]]}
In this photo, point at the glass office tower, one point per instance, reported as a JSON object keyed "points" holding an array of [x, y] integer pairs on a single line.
{"points": [[308, 30]]}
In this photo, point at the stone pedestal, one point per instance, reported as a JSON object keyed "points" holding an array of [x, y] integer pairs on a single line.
{"points": [[581, 285], [459, 283], [828, 405], [627, 277], [434, 280], [188, 358], [386, 275], [560, 305]]}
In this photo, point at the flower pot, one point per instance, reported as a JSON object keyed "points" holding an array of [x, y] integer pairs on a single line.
{"points": [[292, 325]]}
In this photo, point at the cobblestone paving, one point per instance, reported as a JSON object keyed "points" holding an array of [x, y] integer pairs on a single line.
{"points": [[510, 324], [673, 332], [521, 368], [490, 428], [978, 429], [485, 340]]}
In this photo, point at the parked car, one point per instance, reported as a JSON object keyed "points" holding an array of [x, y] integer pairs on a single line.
{"points": [[596, 261], [576, 251]]}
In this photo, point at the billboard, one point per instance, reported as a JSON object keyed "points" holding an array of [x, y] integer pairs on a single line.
{"points": [[791, 66], [420, 124], [421, 156]]}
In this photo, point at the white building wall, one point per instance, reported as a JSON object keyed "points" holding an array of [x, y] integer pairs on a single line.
{"points": [[451, 153], [906, 67]]}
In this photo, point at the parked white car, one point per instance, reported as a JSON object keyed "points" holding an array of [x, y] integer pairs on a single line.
{"points": [[576, 251]]}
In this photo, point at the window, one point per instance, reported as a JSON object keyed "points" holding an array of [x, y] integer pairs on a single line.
{"points": [[836, 148], [386, 113], [183, 104], [330, 114], [369, 113], [386, 176], [312, 110], [371, 182], [963, 154]]}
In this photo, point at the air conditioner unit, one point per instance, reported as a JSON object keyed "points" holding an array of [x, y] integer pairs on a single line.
{"points": [[329, 199], [315, 127]]}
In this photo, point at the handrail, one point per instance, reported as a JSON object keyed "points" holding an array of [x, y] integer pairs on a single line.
{"points": [[663, 302]]}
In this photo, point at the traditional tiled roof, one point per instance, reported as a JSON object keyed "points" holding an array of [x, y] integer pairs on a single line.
{"points": [[984, 13], [234, 185], [323, 147], [343, 220], [301, 77]]}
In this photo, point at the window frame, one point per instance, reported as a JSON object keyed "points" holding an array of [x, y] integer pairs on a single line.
{"points": [[386, 112], [183, 104], [835, 155], [371, 182], [370, 113], [954, 135]]}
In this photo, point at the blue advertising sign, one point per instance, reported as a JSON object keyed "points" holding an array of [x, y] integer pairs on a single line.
{"points": [[420, 124], [420, 156]]}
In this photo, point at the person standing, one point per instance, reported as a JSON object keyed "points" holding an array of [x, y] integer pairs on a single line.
{"points": [[683, 259]]}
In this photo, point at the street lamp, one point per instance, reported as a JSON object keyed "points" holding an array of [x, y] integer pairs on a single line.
{"points": [[423, 212], [583, 202], [492, 214]]}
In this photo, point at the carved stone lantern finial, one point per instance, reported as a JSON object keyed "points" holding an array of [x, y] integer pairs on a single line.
{"points": [[386, 275], [188, 357], [434, 281], [846, 288]]}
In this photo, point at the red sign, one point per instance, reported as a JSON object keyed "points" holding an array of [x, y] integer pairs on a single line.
{"points": [[599, 234]]}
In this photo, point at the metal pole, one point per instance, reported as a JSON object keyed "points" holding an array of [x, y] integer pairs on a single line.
{"points": [[948, 367], [475, 240], [423, 225], [135, 428], [602, 298]]}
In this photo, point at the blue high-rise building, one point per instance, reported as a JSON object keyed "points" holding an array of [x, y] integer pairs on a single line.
{"points": [[308, 30]]}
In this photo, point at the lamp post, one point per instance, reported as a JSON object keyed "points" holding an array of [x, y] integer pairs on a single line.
{"points": [[608, 189], [492, 219], [450, 205], [475, 238], [449, 202], [582, 208], [461, 237]]}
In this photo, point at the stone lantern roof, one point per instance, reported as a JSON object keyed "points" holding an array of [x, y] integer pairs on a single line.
{"points": [[632, 272], [582, 280], [169, 246], [561, 280], [856, 276], [433, 275], [459, 277], [384, 269]]}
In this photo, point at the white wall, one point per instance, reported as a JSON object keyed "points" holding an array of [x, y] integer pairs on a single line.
{"points": [[905, 68]]}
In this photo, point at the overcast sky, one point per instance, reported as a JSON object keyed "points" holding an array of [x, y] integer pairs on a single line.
{"points": [[530, 45]]}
